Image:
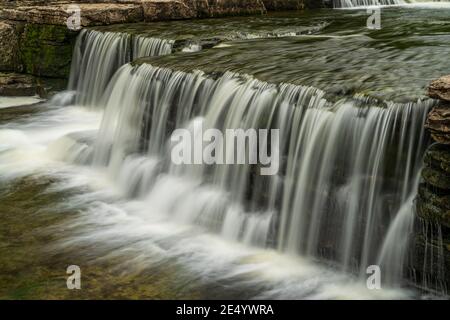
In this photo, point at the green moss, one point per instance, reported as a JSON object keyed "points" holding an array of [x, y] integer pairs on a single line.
{"points": [[46, 50]]}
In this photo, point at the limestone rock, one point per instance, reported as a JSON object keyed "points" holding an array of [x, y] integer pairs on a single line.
{"points": [[440, 88], [217, 8], [433, 206], [438, 156], [274, 5], [154, 10], [46, 50], [91, 13], [438, 123], [12, 84], [9, 44]]}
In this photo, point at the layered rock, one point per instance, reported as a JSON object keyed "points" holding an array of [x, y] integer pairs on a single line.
{"points": [[38, 49], [129, 11], [432, 254], [12, 84], [440, 89], [9, 44], [36, 39], [274, 5]]}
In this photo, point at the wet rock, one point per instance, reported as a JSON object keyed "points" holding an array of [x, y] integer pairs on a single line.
{"points": [[274, 5], [438, 156], [433, 205], [46, 50], [440, 89], [12, 84], [438, 123], [437, 178]]}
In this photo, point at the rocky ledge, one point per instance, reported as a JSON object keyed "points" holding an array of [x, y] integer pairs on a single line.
{"points": [[432, 255], [127, 11], [35, 38]]}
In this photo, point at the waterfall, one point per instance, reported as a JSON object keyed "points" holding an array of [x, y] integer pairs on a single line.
{"points": [[345, 186], [365, 3], [98, 55], [150, 47]]}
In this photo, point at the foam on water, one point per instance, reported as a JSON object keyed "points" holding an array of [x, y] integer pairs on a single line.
{"points": [[140, 229]]}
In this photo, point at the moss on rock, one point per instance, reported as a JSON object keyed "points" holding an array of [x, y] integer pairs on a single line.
{"points": [[46, 50]]}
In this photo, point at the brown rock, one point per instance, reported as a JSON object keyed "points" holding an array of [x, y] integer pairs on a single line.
{"points": [[440, 88], [9, 44], [274, 5], [13, 84], [438, 123], [154, 10], [91, 13], [187, 9]]}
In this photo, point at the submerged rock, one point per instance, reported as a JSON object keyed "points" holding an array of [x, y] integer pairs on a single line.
{"points": [[440, 89]]}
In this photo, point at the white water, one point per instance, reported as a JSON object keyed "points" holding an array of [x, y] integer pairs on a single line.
{"points": [[98, 55], [325, 201], [222, 222], [139, 229]]}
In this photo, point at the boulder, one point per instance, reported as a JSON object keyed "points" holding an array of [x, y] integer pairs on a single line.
{"points": [[440, 89]]}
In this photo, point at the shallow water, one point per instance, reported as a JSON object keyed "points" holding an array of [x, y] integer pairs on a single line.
{"points": [[341, 57], [85, 220]]}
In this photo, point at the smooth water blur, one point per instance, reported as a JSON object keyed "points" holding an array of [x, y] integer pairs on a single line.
{"points": [[343, 57], [111, 226]]}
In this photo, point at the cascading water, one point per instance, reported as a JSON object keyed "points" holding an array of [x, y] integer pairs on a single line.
{"points": [[345, 187], [347, 171], [98, 55]]}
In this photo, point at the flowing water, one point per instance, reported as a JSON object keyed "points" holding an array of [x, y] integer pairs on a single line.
{"points": [[349, 105]]}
